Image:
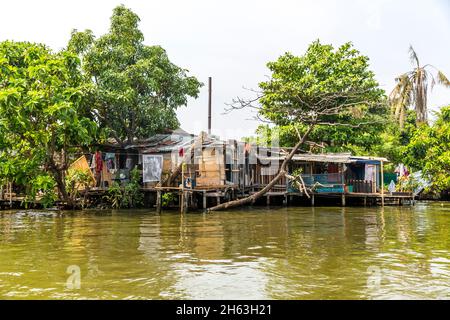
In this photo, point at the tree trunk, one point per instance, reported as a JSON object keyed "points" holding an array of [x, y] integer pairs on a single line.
{"points": [[252, 198], [57, 174]]}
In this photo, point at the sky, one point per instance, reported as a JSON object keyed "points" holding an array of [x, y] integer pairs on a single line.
{"points": [[233, 40]]}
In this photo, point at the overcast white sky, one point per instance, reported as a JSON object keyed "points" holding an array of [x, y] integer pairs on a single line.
{"points": [[232, 40]]}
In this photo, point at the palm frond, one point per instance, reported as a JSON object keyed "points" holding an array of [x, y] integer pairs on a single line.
{"points": [[442, 79], [401, 97], [413, 56], [433, 81]]}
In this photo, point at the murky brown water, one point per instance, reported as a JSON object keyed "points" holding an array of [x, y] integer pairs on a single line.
{"points": [[259, 253]]}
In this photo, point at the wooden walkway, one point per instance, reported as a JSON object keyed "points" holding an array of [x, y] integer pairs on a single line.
{"points": [[206, 197]]}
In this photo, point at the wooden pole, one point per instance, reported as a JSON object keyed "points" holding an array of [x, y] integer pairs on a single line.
{"points": [[382, 184], [209, 104], [158, 202], [204, 200], [10, 194], [183, 195]]}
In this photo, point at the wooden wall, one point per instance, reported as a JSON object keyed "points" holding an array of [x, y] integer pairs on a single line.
{"points": [[211, 168]]}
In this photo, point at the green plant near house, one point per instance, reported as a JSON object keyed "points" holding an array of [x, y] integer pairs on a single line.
{"points": [[129, 196], [77, 184], [168, 198], [43, 188], [133, 196], [114, 196]]}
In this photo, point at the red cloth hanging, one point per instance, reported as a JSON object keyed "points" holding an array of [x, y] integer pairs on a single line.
{"points": [[181, 152], [98, 162]]}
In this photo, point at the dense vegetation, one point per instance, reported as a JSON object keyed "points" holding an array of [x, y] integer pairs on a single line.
{"points": [[42, 118], [135, 89], [53, 105], [429, 150]]}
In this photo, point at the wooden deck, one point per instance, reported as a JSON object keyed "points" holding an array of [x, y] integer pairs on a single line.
{"points": [[205, 197]]}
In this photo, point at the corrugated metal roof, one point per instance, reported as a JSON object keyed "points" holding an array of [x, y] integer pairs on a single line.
{"points": [[328, 157]]}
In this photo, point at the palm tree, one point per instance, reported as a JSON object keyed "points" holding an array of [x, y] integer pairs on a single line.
{"points": [[411, 89]]}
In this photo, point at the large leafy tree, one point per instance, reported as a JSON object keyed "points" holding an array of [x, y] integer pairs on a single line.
{"points": [[412, 89], [429, 151], [325, 87], [41, 115], [136, 89], [329, 75]]}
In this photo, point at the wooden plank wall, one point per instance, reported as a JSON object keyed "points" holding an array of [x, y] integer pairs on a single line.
{"points": [[211, 167]]}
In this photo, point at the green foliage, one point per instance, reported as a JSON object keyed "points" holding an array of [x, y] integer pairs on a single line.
{"points": [[129, 196], [114, 195], [133, 196], [42, 188], [395, 139], [333, 89], [78, 180], [167, 198], [41, 123], [429, 151], [135, 88]]}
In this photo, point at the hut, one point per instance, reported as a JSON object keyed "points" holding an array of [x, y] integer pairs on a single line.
{"points": [[338, 175], [205, 169]]}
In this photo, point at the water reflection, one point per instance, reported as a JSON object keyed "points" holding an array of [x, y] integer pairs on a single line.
{"points": [[259, 253]]}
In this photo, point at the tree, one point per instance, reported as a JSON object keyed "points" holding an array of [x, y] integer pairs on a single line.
{"points": [[323, 88], [411, 89], [355, 139], [429, 151], [41, 96], [136, 89]]}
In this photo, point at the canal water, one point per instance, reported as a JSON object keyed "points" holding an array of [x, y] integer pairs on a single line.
{"points": [[256, 253]]}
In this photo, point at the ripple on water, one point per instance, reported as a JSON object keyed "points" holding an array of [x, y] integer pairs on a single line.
{"points": [[308, 253]]}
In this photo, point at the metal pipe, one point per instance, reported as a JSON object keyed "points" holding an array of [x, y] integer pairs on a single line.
{"points": [[209, 103]]}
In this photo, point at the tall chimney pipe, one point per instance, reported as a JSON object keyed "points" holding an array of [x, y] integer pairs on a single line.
{"points": [[209, 104]]}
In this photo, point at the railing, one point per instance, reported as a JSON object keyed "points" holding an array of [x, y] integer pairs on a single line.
{"points": [[323, 183], [323, 179], [362, 186]]}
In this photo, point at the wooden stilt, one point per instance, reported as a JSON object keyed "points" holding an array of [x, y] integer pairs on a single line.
{"points": [[343, 200], [204, 200], [382, 184], [312, 200], [268, 200], [183, 194], [10, 194], [158, 201], [184, 202]]}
